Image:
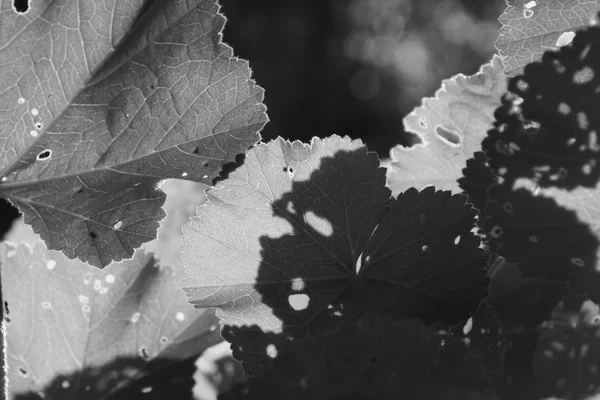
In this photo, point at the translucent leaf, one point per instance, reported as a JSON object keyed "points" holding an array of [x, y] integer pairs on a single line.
{"points": [[303, 236], [97, 109], [374, 357], [450, 126], [543, 210], [67, 318], [531, 27]]}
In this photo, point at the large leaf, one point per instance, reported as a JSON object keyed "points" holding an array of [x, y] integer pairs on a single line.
{"points": [[531, 27], [303, 236], [543, 210], [96, 110], [374, 357], [450, 126], [69, 318]]}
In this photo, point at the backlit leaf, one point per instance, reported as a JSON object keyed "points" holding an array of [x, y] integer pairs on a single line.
{"points": [[96, 109], [302, 237]]}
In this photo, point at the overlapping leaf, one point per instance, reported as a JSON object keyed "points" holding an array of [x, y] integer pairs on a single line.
{"points": [[374, 357], [451, 126], [543, 210], [96, 110], [71, 319], [302, 237], [531, 27]]}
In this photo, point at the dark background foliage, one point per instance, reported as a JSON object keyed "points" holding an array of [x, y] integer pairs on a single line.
{"points": [[351, 67]]}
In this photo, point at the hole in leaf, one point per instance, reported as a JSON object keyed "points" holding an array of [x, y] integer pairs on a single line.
{"points": [[565, 38], [298, 301], [92, 235], [44, 155], [508, 207], [196, 150], [448, 136], [205, 164], [422, 122], [564, 108], [582, 120], [144, 353], [285, 169], [164, 340], [583, 76], [291, 170], [272, 350], [23, 372], [39, 125], [21, 6], [6, 308], [496, 232]]}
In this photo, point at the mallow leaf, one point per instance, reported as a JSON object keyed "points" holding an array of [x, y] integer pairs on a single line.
{"points": [[450, 127], [543, 210], [304, 236], [531, 27], [373, 357], [96, 110], [68, 318]]}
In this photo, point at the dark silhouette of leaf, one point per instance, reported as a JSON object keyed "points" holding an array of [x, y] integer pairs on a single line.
{"points": [[374, 357], [303, 237]]}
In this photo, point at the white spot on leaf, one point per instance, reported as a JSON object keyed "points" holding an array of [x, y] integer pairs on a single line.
{"points": [[46, 305], [272, 350], [83, 299], [184, 174], [147, 389], [118, 224], [135, 317], [33, 133], [21, 100], [97, 285], [11, 253], [457, 240], [87, 278], [531, 4], [85, 308], [527, 13], [180, 316], [103, 290], [297, 284], [110, 278], [50, 264], [34, 112], [65, 384]]}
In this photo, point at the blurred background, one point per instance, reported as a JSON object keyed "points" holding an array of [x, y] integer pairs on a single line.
{"points": [[352, 67]]}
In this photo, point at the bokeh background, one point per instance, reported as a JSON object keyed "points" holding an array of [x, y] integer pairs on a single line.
{"points": [[352, 67]]}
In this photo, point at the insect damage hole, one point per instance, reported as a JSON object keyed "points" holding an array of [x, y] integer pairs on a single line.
{"points": [[23, 372], [447, 136], [21, 6], [44, 155], [298, 301]]}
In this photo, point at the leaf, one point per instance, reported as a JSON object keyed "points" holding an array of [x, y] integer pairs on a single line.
{"points": [[374, 357], [543, 210], [70, 318], [565, 361], [451, 126], [276, 247], [531, 27], [94, 115]]}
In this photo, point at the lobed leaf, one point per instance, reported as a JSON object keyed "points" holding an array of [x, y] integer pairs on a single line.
{"points": [[302, 237], [71, 319], [99, 104]]}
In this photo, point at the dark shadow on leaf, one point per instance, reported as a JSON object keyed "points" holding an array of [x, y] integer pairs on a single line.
{"points": [[123, 379], [544, 148]]}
